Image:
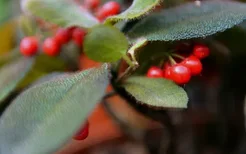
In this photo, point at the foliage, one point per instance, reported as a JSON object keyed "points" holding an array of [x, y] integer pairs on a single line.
{"points": [[109, 46], [136, 10], [190, 21], [62, 13], [156, 93], [51, 104], [52, 97]]}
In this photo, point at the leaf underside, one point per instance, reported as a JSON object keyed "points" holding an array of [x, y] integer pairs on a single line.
{"points": [[136, 10], [61, 12], [11, 74], [190, 21], [44, 117], [157, 93]]}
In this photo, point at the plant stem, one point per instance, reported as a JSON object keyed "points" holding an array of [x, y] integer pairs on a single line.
{"points": [[172, 61], [128, 61], [178, 56], [128, 72]]}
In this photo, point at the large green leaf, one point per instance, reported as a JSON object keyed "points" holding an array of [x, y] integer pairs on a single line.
{"points": [[49, 77], [190, 21], [136, 10], [61, 12], [44, 117], [12, 73], [10, 56], [105, 43], [158, 93]]}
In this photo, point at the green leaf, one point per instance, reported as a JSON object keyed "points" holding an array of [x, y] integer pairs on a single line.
{"points": [[10, 56], [136, 10], [12, 73], [190, 21], [49, 77], [61, 12], [158, 93], [105, 43], [44, 117]]}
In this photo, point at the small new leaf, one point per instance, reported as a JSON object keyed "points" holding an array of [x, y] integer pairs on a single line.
{"points": [[64, 13], [136, 10], [157, 93], [45, 116], [11, 74], [105, 43], [190, 21]]}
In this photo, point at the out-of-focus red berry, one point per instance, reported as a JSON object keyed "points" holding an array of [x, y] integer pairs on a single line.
{"points": [[62, 36], [108, 9], [29, 46], [51, 46], [83, 132], [78, 36]]}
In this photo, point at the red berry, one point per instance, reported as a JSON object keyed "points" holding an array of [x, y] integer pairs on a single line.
{"points": [[29, 46], [194, 64], [83, 132], [166, 65], [78, 36], [167, 73], [180, 74], [155, 72], [108, 9], [51, 47], [62, 36], [166, 70], [70, 29], [91, 4], [201, 51]]}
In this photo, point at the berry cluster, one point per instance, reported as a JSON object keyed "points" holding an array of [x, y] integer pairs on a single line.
{"points": [[52, 45], [181, 72], [83, 132], [110, 8]]}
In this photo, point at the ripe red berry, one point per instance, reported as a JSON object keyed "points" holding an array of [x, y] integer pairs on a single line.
{"points": [[29, 46], [108, 9], [194, 64], [78, 36], [201, 51], [155, 72], [83, 132], [70, 29], [91, 4], [166, 70], [51, 47], [167, 73], [62, 36], [180, 74]]}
